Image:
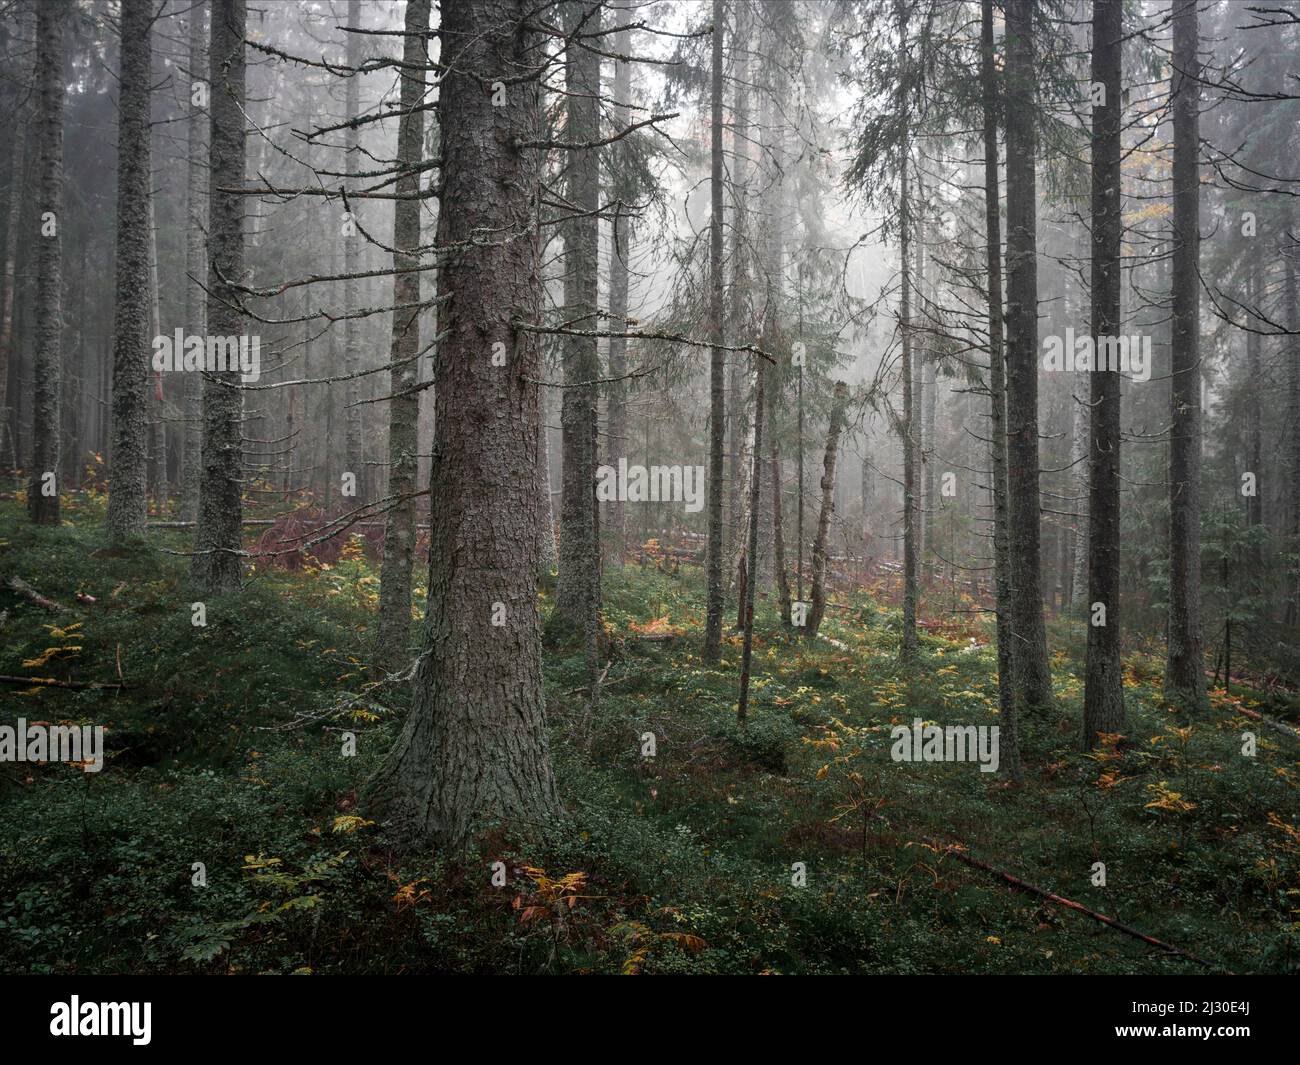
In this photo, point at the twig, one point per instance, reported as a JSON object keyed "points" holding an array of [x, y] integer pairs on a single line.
{"points": [[50, 682]]}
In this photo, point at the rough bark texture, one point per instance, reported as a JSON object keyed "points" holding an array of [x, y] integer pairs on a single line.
{"points": [[196, 265], [908, 648], [51, 22], [1007, 710], [127, 472], [216, 566], [577, 594], [548, 555], [624, 192], [818, 611], [354, 443], [1185, 664], [1103, 704], [751, 551], [717, 360], [474, 748], [1291, 353], [778, 529], [1033, 680], [404, 410], [737, 423]]}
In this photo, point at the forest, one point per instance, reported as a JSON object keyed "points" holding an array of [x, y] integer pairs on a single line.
{"points": [[597, 487]]}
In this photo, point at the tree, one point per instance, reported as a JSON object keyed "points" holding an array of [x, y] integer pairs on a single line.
{"points": [[577, 594], [1010, 736], [352, 263], [404, 406], [474, 747], [216, 566], [717, 360], [127, 471], [1103, 704], [196, 262], [1034, 681], [1185, 664], [814, 619], [43, 487]]}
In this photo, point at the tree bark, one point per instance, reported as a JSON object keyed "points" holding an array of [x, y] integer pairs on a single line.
{"points": [[577, 594], [624, 192], [216, 566], [474, 748], [1103, 702], [404, 409], [127, 471], [1007, 711], [717, 360], [43, 501], [818, 611], [1185, 665], [354, 439], [196, 265], [909, 647], [1034, 681]]}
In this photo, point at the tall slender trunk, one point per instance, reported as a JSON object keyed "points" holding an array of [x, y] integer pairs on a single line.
{"points": [[778, 532], [577, 594], [474, 748], [909, 646], [818, 611], [216, 564], [624, 191], [404, 408], [751, 552], [1103, 701], [1034, 681], [1291, 353], [1185, 665], [127, 471], [354, 442], [44, 486], [737, 424], [1010, 735], [196, 264], [717, 360]]}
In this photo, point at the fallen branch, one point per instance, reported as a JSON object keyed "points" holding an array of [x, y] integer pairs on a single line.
{"points": [[958, 852], [1276, 726], [50, 682], [33, 596]]}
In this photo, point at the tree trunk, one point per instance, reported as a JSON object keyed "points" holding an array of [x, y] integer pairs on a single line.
{"points": [[474, 748], [404, 410], [1103, 703], [717, 360], [577, 594], [196, 266], [1009, 738], [127, 471], [818, 610], [909, 646], [751, 551], [1185, 666], [1034, 681], [778, 532], [624, 191], [44, 486], [216, 566], [354, 439]]}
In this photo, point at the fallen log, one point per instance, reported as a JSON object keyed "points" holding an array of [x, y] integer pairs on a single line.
{"points": [[958, 852], [33, 596], [1276, 726], [50, 682]]}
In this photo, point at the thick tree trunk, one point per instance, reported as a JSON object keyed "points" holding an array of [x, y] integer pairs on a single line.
{"points": [[1010, 735], [577, 595], [717, 360], [1185, 665], [44, 486], [548, 555], [474, 749], [1103, 704], [216, 565], [1291, 293], [404, 410], [196, 264], [1034, 681], [818, 611], [737, 422], [127, 471]]}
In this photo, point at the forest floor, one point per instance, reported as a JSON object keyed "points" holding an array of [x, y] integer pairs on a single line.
{"points": [[225, 749]]}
